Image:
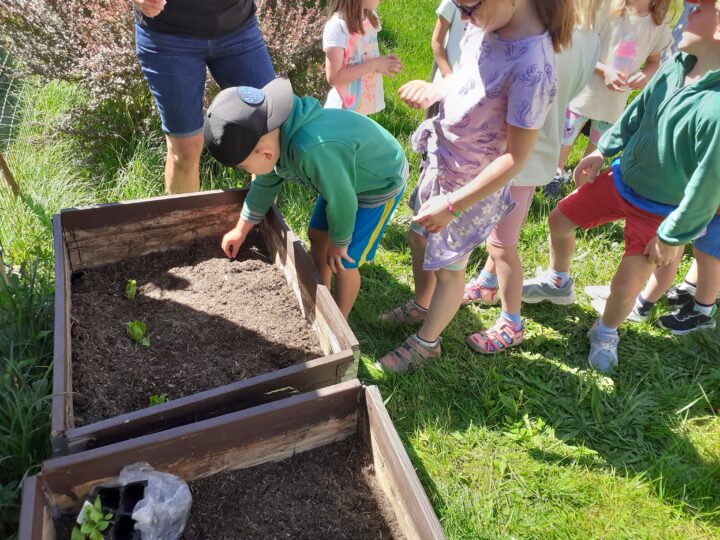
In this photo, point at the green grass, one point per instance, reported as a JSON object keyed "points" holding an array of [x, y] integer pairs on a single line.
{"points": [[526, 444]]}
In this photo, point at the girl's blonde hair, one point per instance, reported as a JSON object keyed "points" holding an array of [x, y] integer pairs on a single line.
{"points": [[658, 9], [353, 14], [587, 11], [558, 16]]}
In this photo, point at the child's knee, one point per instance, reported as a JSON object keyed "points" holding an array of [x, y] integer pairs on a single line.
{"points": [[625, 286], [559, 223]]}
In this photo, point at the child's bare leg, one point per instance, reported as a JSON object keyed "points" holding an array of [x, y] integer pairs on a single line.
{"points": [[564, 153], [444, 304], [562, 241], [508, 267], [490, 267], [589, 149], [629, 279], [347, 287], [319, 243], [660, 281], [692, 274], [707, 278], [424, 280]]}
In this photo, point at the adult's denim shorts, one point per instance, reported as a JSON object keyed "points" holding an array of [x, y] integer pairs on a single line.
{"points": [[175, 68]]}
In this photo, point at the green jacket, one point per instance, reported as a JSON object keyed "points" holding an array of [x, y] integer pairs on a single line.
{"points": [[670, 135], [347, 158]]}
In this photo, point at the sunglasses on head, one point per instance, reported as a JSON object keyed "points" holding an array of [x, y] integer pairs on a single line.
{"points": [[467, 10]]}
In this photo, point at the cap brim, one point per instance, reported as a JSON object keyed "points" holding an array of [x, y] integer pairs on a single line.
{"points": [[279, 95]]}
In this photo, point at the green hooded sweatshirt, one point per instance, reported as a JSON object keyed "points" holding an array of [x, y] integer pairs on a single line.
{"points": [[670, 135], [347, 158]]}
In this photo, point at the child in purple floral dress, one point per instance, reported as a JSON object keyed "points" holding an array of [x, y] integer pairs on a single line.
{"points": [[491, 110]]}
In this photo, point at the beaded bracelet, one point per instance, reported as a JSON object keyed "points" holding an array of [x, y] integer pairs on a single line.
{"points": [[451, 207]]}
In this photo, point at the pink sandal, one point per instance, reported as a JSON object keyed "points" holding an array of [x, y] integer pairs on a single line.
{"points": [[475, 293], [409, 313], [410, 355], [496, 339]]}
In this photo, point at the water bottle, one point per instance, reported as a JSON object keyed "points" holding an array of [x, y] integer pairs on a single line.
{"points": [[626, 52]]}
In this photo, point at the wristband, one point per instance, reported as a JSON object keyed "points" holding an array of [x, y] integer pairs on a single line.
{"points": [[451, 207]]}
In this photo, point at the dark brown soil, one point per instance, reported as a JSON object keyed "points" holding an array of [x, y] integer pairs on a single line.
{"points": [[210, 321], [329, 493]]}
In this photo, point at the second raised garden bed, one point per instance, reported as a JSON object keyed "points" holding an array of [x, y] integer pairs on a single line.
{"points": [[223, 335], [324, 464]]}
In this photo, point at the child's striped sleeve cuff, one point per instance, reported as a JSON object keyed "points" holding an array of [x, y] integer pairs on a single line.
{"points": [[250, 216]]}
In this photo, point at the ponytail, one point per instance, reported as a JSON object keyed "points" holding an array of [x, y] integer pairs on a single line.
{"points": [[558, 16]]}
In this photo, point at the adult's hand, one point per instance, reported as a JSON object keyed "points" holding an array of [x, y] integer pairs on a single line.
{"points": [[150, 8], [588, 169]]}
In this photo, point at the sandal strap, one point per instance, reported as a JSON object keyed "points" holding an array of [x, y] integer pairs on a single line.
{"points": [[410, 355], [498, 338]]}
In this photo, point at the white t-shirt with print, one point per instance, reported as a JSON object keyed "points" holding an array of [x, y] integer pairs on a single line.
{"points": [[364, 95], [451, 14], [574, 67], [625, 44]]}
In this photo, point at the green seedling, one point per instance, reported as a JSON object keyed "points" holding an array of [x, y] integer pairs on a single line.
{"points": [[136, 331], [130, 289], [158, 399], [91, 522]]}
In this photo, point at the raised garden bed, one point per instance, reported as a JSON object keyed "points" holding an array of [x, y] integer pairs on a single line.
{"points": [[224, 335], [351, 446]]}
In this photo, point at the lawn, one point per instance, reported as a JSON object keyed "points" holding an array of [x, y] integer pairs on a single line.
{"points": [[525, 444]]}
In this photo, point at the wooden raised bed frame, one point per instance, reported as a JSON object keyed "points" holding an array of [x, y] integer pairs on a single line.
{"points": [[269, 432], [90, 237]]}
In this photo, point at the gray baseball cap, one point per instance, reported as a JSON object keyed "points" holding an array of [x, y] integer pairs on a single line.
{"points": [[239, 116]]}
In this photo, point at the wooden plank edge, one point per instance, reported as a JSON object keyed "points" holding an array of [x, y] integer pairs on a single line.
{"points": [[397, 475], [61, 363], [170, 450], [103, 215], [299, 378], [35, 522], [295, 251]]}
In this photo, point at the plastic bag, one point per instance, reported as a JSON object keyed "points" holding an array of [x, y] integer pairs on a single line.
{"points": [[164, 509]]}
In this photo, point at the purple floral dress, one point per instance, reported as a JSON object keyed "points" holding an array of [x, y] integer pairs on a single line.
{"points": [[497, 82]]}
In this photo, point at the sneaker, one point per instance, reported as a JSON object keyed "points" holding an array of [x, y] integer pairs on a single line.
{"points": [[553, 189], [679, 295], [539, 289], [498, 338], [686, 320], [603, 350], [475, 293]]}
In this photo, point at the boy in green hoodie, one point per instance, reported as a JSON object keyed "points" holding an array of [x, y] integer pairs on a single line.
{"points": [[666, 183], [354, 165]]}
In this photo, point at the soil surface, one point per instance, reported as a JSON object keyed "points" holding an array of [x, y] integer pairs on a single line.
{"points": [[330, 492], [210, 321]]}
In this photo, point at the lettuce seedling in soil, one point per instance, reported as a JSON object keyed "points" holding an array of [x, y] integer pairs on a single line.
{"points": [[136, 331], [92, 522], [130, 289], [158, 399]]}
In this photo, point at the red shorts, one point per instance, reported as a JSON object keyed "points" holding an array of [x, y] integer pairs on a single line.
{"points": [[598, 203]]}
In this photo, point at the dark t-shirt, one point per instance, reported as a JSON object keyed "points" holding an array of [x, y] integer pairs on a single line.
{"points": [[204, 19]]}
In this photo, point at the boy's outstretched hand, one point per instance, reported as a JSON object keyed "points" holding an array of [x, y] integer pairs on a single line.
{"points": [[335, 256], [420, 94], [660, 253], [588, 169], [235, 238]]}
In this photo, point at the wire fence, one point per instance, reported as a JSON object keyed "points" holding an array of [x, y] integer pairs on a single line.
{"points": [[9, 98]]}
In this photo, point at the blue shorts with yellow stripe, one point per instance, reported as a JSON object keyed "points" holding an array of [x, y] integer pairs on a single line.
{"points": [[370, 225]]}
